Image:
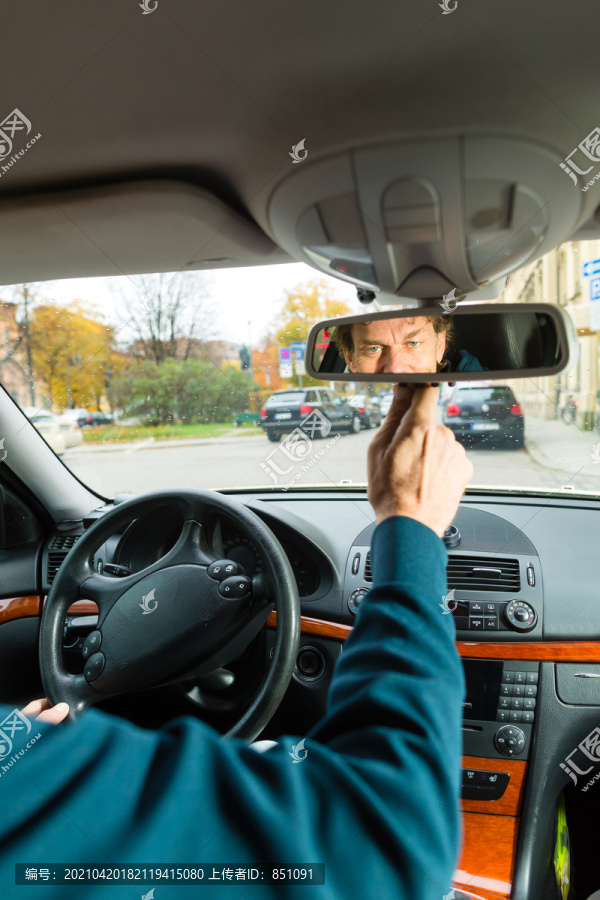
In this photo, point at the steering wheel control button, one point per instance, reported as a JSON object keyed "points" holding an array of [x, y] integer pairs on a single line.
{"points": [[93, 667], [509, 741], [221, 569], [520, 616], [235, 587], [356, 598], [91, 644]]}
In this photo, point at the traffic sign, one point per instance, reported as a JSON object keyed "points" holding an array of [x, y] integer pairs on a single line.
{"points": [[591, 268], [285, 363], [595, 304]]}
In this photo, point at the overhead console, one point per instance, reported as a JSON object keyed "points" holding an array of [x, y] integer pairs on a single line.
{"points": [[420, 217]]}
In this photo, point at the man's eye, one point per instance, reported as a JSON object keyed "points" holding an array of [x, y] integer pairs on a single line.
{"points": [[374, 349], [414, 344]]}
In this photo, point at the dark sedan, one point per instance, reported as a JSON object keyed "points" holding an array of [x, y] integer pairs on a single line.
{"points": [[486, 415], [315, 412]]}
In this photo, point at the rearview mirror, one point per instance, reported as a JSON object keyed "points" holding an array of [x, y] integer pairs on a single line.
{"points": [[501, 340]]}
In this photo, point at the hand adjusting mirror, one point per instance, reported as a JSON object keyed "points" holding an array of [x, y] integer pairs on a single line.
{"points": [[450, 342]]}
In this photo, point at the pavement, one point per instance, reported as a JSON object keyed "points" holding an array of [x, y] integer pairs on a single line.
{"points": [[564, 448]]}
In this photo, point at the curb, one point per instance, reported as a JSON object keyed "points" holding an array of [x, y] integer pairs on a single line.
{"points": [[152, 444]]}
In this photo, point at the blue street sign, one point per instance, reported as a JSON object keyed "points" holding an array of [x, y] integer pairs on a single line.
{"points": [[285, 355], [591, 268], [298, 349], [595, 304]]}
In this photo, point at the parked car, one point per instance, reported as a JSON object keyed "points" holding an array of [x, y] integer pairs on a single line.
{"points": [[311, 410], [368, 410], [101, 418], [83, 417], [386, 402], [489, 414], [57, 431]]}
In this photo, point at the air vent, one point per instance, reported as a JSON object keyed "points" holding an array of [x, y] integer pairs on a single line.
{"points": [[483, 573], [58, 548], [368, 576]]}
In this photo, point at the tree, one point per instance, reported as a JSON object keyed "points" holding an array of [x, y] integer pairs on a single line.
{"points": [[168, 315], [302, 308], [71, 352], [181, 391]]}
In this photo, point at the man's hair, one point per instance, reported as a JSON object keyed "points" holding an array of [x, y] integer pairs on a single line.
{"points": [[343, 339]]}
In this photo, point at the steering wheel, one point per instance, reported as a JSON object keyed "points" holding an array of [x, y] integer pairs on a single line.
{"points": [[183, 616]]}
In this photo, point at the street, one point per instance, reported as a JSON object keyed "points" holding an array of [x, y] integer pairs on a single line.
{"points": [[555, 456]]}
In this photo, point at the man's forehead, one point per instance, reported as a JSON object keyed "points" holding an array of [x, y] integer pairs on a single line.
{"points": [[390, 330]]}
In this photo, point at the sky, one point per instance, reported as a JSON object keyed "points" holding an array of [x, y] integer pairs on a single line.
{"points": [[243, 294]]}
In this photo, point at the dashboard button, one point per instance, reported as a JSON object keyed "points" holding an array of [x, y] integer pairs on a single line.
{"points": [[509, 740], [518, 690], [356, 564], [490, 623], [356, 598], [508, 676], [475, 623], [515, 716], [221, 569], [516, 703], [504, 702], [532, 677], [490, 609], [506, 690], [476, 608], [502, 715], [531, 690], [528, 716], [528, 703], [520, 677], [530, 576]]}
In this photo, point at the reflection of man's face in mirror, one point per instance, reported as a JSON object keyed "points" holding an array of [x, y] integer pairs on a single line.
{"points": [[395, 345]]}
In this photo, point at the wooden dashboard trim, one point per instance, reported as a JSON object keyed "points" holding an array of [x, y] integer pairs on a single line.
{"points": [[559, 651], [511, 802], [486, 862], [19, 608]]}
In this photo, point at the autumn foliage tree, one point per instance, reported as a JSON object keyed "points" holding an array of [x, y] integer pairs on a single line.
{"points": [[303, 307], [72, 352]]}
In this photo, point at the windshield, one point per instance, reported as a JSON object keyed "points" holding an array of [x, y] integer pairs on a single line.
{"points": [[167, 381]]}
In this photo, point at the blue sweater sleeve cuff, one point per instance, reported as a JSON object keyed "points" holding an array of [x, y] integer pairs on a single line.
{"points": [[404, 550]]}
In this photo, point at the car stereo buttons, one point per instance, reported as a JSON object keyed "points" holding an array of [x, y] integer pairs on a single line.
{"points": [[509, 741]]}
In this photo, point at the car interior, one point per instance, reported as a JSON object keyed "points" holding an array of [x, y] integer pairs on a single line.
{"points": [[408, 150]]}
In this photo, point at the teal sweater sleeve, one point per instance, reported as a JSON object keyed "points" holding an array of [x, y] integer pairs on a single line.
{"points": [[375, 798]]}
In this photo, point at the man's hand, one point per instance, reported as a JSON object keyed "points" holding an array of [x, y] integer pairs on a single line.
{"points": [[416, 468], [43, 712]]}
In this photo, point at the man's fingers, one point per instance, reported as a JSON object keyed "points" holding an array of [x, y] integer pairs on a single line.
{"points": [[34, 708], [399, 407], [55, 714], [423, 405], [44, 712]]}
